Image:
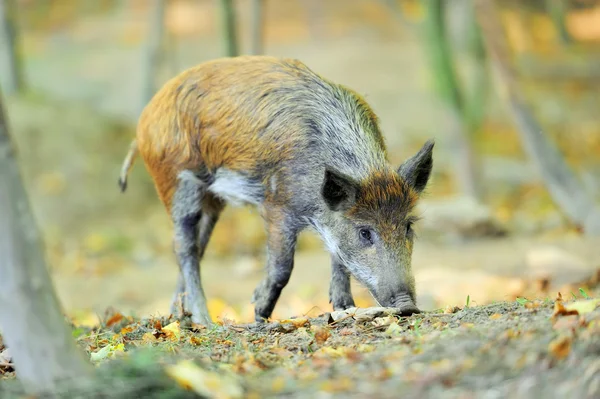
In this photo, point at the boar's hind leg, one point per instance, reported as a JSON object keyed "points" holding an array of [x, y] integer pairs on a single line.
{"points": [[186, 213], [340, 294], [211, 210], [281, 244]]}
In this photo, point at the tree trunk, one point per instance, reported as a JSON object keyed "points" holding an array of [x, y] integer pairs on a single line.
{"points": [[565, 189], [558, 13], [258, 28], [154, 48], [447, 87], [9, 44], [476, 104], [31, 320], [229, 27]]}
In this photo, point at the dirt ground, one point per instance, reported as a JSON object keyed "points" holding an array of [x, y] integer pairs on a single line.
{"points": [[543, 348]]}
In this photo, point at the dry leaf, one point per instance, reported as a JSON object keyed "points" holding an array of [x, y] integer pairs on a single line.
{"points": [[127, 329], [560, 310], [114, 319], [321, 335], [149, 338], [584, 306], [106, 352], [495, 316], [560, 347], [393, 330], [172, 331], [297, 323], [203, 382], [451, 309], [196, 341]]}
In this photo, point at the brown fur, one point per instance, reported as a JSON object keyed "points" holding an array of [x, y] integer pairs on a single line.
{"points": [[387, 198], [198, 116]]}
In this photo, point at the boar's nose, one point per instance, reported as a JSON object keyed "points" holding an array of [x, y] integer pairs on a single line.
{"points": [[405, 303]]}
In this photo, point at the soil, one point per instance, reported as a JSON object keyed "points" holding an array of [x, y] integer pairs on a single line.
{"points": [[520, 349]]}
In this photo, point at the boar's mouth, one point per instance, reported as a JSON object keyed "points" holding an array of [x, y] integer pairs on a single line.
{"points": [[407, 310], [404, 304]]}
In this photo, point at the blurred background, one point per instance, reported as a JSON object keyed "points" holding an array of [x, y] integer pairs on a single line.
{"points": [[512, 98]]}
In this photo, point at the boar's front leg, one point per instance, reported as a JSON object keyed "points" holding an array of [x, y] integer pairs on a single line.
{"points": [[281, 245], [340, 294]]}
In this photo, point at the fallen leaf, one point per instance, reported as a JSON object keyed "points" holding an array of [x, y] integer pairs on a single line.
{"points": [[114, 319], [560, 347], [560, 310], [5, 358], [495, 316], [196, 341], [584, 306], [297, 323], [203, 382], [329, 351], [172, 331], [321, 335], [149, 338], [127, 329], [451, 309], [106, 352], [393, 330]]}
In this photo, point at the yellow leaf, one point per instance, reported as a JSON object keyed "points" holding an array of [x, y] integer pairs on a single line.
{"points": [[329, 351], [299, 322], [204, 382], [148, 338], [106, 352], [495, 316], [393, 330], [196, 341], [583, 307], [172, 331]]}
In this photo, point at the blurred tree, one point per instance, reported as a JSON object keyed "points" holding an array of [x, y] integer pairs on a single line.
{"points": [[558, 13], [562, 183], [154, 49], [10, 48], [466, 116], [258, 28], [31, 320], [229, 21]]}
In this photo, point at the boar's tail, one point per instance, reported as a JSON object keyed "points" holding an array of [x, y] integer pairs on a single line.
{"points": [[127, 164]]}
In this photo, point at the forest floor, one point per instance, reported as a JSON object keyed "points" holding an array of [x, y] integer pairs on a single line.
{"points": [[522, 349]]}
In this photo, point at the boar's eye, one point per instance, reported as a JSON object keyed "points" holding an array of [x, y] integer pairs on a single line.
{"points": [[366, 236], [409, 228]]}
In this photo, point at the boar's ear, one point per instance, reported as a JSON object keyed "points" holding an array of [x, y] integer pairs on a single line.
{"points": [[417, 169], [338, 190]]}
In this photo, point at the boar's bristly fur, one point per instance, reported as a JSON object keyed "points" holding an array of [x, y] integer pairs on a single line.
{"points": [[307, 152]]}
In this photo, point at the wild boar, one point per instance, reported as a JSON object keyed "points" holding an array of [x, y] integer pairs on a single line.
{"points": [[306, 152]]}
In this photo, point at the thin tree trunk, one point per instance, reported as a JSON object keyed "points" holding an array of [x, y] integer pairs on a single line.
{"points": [[9, 44], [565, 189], [154, 47], [258, 27], [558, 13], [31, 320], [476, 104], [447, 87], [229, 21]]}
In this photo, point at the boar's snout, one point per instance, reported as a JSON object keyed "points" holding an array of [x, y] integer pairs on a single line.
{"points": [[405, 303]]}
